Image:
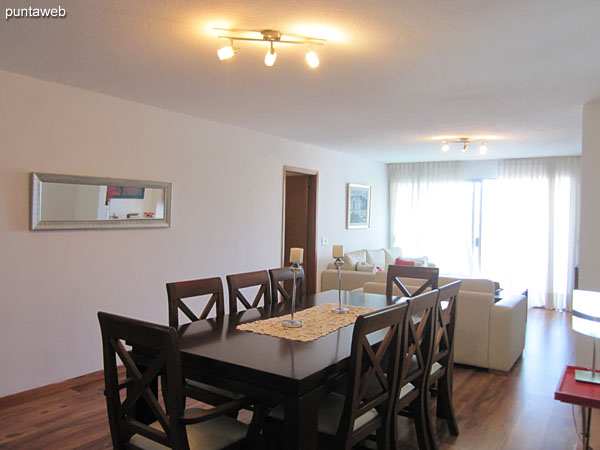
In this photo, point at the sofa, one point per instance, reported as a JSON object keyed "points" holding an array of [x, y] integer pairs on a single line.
{"points": [[489, 333], [361, 266]]}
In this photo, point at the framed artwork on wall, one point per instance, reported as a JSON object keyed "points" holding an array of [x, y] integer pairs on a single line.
{"points": [[358, 214]]}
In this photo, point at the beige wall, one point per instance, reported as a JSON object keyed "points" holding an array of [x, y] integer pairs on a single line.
{"points": [[226, 217]]}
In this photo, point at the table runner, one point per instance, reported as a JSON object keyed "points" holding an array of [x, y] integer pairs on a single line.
{"points": [[317, 321]]}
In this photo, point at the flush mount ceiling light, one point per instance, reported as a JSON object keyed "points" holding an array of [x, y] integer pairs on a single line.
{"points": [[272, 37], [464, 141]]}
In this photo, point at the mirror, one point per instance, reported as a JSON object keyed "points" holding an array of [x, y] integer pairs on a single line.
{"points": [[63, 202]]}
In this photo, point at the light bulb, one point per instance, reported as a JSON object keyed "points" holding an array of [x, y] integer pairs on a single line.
{"points": [[270, 57], [483, 149], [312, 59], [464, 149], [445, 147], [225, 52]]}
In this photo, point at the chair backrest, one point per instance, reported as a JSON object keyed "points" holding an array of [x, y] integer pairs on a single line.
{"points": [[279, 285], [427, 276], [118, 331], [239, 281], [368, 385], [180, 290], [418, 347], [443, 346]]}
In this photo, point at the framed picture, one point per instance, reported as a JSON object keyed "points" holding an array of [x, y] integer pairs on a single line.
{"points": [[358, 214]]}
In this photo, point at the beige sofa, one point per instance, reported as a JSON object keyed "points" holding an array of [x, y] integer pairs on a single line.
{"points": [[488, 334], [360, 266]]}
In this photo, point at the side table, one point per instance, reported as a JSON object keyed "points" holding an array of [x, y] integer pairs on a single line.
{"points": [[586, 395]]}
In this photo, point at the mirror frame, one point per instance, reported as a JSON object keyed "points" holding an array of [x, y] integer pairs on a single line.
{"points": [[37, 223]]}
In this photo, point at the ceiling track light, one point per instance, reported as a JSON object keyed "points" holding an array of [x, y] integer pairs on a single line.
{"points": [[464, 141], [271, 36]]}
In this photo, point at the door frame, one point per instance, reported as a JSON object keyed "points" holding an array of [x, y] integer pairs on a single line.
{"points": [[313, 195]]}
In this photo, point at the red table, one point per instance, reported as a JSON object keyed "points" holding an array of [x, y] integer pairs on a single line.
{"points": [[586, 395]]}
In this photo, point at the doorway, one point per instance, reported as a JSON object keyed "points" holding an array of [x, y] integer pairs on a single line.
{"points": [[300, 220]]}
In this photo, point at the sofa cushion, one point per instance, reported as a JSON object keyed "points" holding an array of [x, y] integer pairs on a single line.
{"points": [[471, 284], [391, 254], [355, 257], [376, 257]]}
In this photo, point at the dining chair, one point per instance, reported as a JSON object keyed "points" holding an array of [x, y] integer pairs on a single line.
{"points": [[279, 277], [345, 420], [442, 360], [411, 396], [235, 283], [174, 426], [177, 292], [426, 277], [180, 290]]}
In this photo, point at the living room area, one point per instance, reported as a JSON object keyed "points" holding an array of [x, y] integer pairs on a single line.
{"points": [[458, 136]]}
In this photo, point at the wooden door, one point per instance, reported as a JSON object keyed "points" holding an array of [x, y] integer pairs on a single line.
{"points": [[300, 221]]}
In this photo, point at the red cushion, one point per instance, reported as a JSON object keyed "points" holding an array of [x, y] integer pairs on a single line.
{"points": [[403, 262]]}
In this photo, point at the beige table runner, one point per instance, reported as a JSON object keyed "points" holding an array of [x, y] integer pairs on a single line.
{"points": [[317, 322]]}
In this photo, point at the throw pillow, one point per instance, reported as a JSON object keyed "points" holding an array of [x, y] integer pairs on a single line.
{"points": [[355, 257], [404, 262], [364, 267], [376, 257]]}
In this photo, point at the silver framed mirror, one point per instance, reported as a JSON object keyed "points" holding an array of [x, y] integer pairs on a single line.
{"points": [[70, 202]]}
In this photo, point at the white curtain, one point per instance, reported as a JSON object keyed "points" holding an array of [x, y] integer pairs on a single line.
{"points": [[431, 214], [529, 228]]}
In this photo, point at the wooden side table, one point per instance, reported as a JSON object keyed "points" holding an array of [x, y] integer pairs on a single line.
{"points": [[586, 395]]}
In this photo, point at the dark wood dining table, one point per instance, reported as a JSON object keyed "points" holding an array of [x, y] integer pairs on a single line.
{"points": [[270, 369]]}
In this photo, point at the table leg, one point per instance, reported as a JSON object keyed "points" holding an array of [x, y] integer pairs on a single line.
{"points": [[587, 423], [300, 422]]}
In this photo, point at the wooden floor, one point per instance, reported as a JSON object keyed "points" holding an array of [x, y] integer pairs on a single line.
{"points": [[515, 411]]}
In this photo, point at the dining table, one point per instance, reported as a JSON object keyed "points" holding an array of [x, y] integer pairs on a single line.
{"points": [[274, 370]]}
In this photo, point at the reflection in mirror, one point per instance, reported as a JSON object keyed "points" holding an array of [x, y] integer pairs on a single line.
{"points": [[67, 202]]}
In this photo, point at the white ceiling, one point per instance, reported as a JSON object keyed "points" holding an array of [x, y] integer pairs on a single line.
{"points": [[393, 74]]}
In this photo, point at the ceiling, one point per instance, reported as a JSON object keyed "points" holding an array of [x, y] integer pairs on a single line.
{"points": [[393, 74]]}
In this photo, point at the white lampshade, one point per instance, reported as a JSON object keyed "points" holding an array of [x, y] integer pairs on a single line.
{"points": [[586, 312], [270, 57], [225, 52]]}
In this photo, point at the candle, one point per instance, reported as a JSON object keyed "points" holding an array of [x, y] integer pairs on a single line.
{"points": [[338, 251], [296, 255]]}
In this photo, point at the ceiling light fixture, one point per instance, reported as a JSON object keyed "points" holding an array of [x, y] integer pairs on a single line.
{"points": [[226, 52], [464, 141], [271, 56], [270, 36]]}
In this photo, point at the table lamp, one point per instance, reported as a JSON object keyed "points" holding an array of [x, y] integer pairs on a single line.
{"points": [[586, 320]]}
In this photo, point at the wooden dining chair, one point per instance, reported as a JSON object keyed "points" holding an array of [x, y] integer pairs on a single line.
{"points": [[442, 360], [235, 283], [282, 278], [180, 290], [174, 426], [426, 277], [365, 407], [411, 396]]}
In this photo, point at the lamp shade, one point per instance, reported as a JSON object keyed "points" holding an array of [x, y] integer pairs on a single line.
{"points": [[586, 312]]}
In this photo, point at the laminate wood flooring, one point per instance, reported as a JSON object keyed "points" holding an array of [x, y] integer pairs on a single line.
{"points": [[494, 411]]}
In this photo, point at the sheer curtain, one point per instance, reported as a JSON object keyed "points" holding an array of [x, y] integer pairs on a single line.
{"points": [[431, 211], [529, 228]]}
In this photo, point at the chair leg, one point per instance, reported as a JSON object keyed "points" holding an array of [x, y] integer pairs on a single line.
{"points": [[419, 410], [383, 439], [445, 407]]}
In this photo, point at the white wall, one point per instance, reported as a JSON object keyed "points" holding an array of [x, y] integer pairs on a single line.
{"points": [[589, 238], [226, 217]]}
